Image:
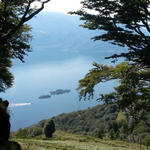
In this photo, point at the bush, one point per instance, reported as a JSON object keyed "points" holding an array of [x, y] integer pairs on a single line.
{"points": [[97, 133], [34, 131], [146, 141], [49, 128], [22, 133]]}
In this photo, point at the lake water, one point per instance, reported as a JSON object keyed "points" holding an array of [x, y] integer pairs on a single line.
{"points": [[61, 56]]}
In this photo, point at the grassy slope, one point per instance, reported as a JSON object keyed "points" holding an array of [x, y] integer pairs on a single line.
{"points": [[67, 141]]}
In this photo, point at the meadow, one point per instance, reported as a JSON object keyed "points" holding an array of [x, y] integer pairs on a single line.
{"points": [[67, 141]]}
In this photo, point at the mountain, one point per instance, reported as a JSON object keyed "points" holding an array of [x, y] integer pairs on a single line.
{"points": [[57, 36]]}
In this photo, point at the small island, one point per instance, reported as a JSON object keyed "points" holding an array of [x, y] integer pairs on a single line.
{"points": [[44, 96]]}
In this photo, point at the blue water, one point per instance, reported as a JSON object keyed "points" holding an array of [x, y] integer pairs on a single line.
{"points": [[62, 54]]}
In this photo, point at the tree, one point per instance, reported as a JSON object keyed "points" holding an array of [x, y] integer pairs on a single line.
{"points": [[14, 34], [133, 93], [49, 128], [125, 23], [6, 78], [14, 43]]}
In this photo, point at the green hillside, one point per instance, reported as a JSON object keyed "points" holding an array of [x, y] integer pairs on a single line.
{"points": [[101, 121]]}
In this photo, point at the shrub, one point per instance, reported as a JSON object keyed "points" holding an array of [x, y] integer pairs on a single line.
{"points": [[146, 141], [34, 131], [22, 133], [49, 128]]}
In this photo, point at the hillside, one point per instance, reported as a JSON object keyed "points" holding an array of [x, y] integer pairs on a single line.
{"points": [[102, 121], [87, 121]]}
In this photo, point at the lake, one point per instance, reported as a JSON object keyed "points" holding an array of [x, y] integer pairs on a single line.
{"points": [[62, 54]]}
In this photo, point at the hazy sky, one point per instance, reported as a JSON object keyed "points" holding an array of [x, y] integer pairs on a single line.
{"points": [[63, 6]]}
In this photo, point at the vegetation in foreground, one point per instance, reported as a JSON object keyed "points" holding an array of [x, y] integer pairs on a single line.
{"points": [[67, 141]]}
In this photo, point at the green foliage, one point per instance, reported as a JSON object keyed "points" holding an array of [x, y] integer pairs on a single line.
{"points": [[146, 141], [124, 23], [112, 134], [102, 121], [98, 132], [34, 131], [121, 118], [5, 76], [90, 121], [14, 34], [21, 133], [49, 128], [28, 132], [133, 93], [141, 128], [14, 43]]}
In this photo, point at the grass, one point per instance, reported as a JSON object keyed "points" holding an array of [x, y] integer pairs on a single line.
{"points": [[67, 141]]}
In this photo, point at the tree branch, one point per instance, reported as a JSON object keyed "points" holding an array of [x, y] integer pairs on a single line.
{"points": [[24, 19], [146, 25]]}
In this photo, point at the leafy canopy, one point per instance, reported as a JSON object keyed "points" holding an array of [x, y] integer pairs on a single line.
{"points": [[133, 92], [14, 43], [125, 23], [15, 34]]}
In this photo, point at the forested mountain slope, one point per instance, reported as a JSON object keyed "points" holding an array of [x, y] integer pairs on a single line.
{"points": [[102, 121]]}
